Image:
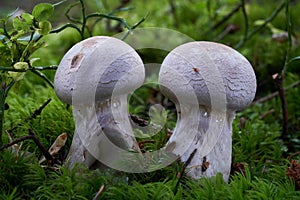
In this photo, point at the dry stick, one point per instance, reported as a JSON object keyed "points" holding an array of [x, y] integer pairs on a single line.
{"points": [[21, 139], [36, 113], [180, 174], [33, 137], [278, 80], [227, 17], [268, 20], [292, 155], [101, 189], [173, 12], [274, 94], [39, 144]]}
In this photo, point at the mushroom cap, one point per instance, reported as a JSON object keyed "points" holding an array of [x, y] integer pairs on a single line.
{"points": [[209, 71], [100, 64]]}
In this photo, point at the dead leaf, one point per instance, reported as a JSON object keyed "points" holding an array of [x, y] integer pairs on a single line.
{"points": [[57, 145]]}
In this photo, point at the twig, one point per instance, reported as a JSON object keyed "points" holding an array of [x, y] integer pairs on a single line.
{"points": [[180, 174], [40, 109], [43, 76], [21, 139], [268, 20], [293, 154], [101, 189], [267, 113], [274, 94], [173, 12], [278, 80], [227, 17], [142, 122], [33, 137], [34, 115], [229, 29], [246, 19], [41, 147]]}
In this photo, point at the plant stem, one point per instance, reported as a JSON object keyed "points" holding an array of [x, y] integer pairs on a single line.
{"points": [[245, 18], [268, 20], [3, 93], [280, 78], [84, 18], [16, 141], [281, 92], [289, 30], [227, 17], [2, 105]]}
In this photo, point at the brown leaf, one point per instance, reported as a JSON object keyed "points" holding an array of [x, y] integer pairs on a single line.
{"points": [[293, 172]]}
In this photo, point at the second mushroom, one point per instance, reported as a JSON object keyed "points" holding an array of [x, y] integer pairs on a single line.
{"points": [[208, 82]]}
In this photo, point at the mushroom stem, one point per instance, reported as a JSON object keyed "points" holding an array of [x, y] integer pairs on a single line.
{"points": [[96, 119], [214, 154]]}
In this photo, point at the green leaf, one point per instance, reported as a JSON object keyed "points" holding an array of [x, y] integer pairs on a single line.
{"points": [[17, 76], [42, 11], [23, 22], [44, 27]]}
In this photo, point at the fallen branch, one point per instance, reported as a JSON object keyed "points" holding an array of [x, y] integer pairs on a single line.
{"points": [[227, 17], [41, 147], [101, 189], [279, 82], [33, 137], [34, 115], [274, 94], [180, 174], [21, 139], [38, 111]]}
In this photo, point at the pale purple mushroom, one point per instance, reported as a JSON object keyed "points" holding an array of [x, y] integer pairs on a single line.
{"points": [[95, 76], [208, 82]]}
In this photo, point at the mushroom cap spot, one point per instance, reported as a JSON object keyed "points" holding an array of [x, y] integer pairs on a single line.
{"points": [[104, 63], [192, 67], [70, 63]]}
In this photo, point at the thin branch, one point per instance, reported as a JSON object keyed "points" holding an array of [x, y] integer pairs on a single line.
{"points": [[121, 20], [68, 25], [38, 111], [71, 18], [43, 76], [279, 82], [33, 137], [84, 19], [274, 94], [173, 12], [268, 20], [227, 17], [35, 113], [246, 19], [41, 147], [41, 68], [21, 139], [289, 30], [101, 189], [180, 174]]}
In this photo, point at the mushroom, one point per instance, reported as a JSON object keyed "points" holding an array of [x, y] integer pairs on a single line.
{"points": [[208, 82], [95, 76]]}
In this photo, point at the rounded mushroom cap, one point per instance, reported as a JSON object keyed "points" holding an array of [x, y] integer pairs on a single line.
{"points": [[105, 64], [208, 70]]}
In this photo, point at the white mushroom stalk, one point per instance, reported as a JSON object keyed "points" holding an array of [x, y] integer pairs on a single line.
{"points": [[96, 76], [223, 82]]}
